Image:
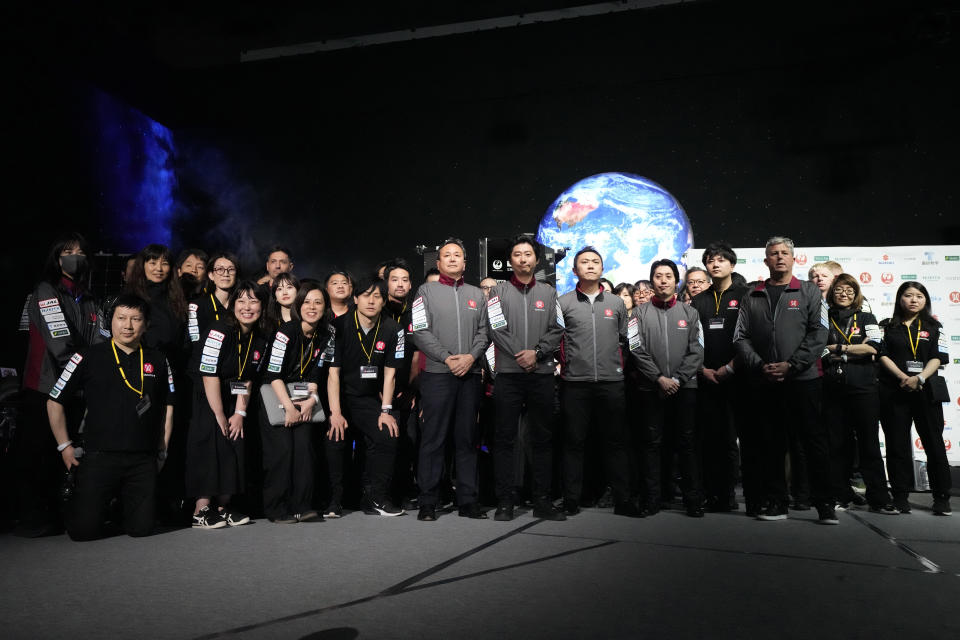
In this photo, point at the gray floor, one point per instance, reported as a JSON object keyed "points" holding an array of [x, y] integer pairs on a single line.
{"points": [[595, 576]]}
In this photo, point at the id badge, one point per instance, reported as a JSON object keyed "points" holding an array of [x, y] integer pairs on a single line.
{"points": [[368, 372], [143, 405], [238, 388], [301, 390], [914, 366], [716, 323]]}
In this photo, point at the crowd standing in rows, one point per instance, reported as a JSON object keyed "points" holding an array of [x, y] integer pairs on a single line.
{"points": [[312, 394]]}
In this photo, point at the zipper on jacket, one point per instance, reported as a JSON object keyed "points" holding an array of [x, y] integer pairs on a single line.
{"points": [[666, 341], [456, 298], [526, 329], [593, 317]]}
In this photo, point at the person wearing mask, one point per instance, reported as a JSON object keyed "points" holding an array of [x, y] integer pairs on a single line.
{"points": [[669, 355], [192, 271], [593, 394], [720, 394], [288, 454], [128, 389], [626, 292], [279, 260], [227, 364], [913, 349], [642, 292], [780, 335], [211, 305], [525, 332], [450, 329], [697, 281], [283, 293], [63, 317], [850, 395], [368, 348], [339, 286]]}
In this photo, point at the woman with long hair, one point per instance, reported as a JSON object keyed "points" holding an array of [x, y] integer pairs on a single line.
{"points": [[283, 293], [911, 353], [153, 280]]}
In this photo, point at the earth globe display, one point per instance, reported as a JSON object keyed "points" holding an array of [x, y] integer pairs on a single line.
{"points": [[631, 220]]}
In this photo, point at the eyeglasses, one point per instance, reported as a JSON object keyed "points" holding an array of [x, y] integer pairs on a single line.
{"points": [[697, 282], [486, 287], [225, 271], [844, 291]]}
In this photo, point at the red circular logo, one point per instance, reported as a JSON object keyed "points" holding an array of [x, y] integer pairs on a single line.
{"points": [[801, 258], [316, 352], [732, 303], [147, 367], [918, 444], [947, 444], [538, 304], [256, 355], [865, 277], [794, 303], [855, 331], [472, 304], [924, 334], [681, 323], [380, 345], [410, 328], [886, 277], [608, 312], [955, 297]]}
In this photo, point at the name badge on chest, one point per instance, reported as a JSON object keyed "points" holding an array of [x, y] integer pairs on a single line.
{"points": [[368, 372], [914, 366], [143, 405], [300, 390], [238, 388], [716, 323]]}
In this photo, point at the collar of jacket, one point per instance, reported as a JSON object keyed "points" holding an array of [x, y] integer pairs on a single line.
{"points": [[450, 282], [71, 287], [664, 304], [763, 284], [581, 294], [521, 286]]}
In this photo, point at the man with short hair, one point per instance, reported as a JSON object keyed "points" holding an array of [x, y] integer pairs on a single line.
{"points": [[525, 332], [781, 332], [487, 285], [450, 328], [593, 394], [279, 260], [129, 394], [368, 348]]}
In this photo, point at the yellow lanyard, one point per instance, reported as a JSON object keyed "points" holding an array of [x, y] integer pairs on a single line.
{"points": [[123, 375], [717, 300], [303, 367], [852, 330], [216, 315], [360, 338], [241, 367], [914, 346]]}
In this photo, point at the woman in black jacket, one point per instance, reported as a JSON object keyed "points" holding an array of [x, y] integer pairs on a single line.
{"points": [[911, 353], [850, 395]]}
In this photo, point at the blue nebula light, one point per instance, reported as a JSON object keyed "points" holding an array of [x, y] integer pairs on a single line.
{"points": [[136, 176]]}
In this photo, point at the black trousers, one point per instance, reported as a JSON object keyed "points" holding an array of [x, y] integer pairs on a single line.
{"points": [[363, 412], [717, 430], [514, 392], [785, 410], [288, 460], [603, 406], [675, 414], [447, 399], [750, 434], [897, 410], [102, 476], [214, 462], [853, 414]]}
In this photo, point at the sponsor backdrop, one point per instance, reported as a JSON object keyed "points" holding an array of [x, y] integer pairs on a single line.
{"points": [[880, 271]]}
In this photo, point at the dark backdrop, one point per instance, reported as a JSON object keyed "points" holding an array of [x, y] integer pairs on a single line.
{"points": [[834, 124]]}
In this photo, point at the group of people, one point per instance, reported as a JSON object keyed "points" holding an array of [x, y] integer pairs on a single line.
{"points": [[696, 385]]}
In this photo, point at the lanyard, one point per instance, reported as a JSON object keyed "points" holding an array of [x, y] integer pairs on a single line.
{"points": [[116, 357], [246, 356], [845, 336], [303, 367], [914, 345], [216, 314], [360, 337], [717, 300]]}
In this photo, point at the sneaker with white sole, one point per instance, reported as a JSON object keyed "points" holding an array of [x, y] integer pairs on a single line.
{"points": [[773, 512], [373, 507], [826, 514], [206, 519], [234, 518], [941, 507]]}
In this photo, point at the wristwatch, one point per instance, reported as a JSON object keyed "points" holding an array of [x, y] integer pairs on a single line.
{"points": [[162, 455], [539, 353]]}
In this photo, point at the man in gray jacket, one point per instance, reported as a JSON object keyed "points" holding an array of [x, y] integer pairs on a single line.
{"points": [[524, 329], [670, 354], [592, 351], [780, 335], [449, 321]]}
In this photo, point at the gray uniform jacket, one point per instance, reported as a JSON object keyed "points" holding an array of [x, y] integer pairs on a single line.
{"points": [[670, 341], [795, 332], [449, 320], [523, 318], [594, 337]]}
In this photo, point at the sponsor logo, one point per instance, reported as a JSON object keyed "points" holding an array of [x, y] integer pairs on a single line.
{"points": [[216, 335], [538, 304], [147, 367], [820, 258], [732, 303], [865, 277], [924, 334], [952, 258], [282, 338], [794, 303], [855, 331], [931, 278], [741, 261], [472, 304], [497, 264], [316, 351], [908, 276], [955, 297], [682, 324], [886, 277], [49, 302], [885, 259], [410, 327], [947, 444], [256, 356], [608, 313], [381, 345], [801, 259]]}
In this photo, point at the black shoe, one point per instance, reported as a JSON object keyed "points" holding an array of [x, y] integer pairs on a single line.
{"points": [[901, 505], [695, 511], [941, 507], [716, 505], [207, 519], [858, 500], [800, 505], [651, 509], [545, 510], [308, 516], [571, 507], [753, 509], [504, 512], [234, 518], [606, 500], [411, 504], [472, 510], [428, 513], [333, 510], [774, 511], [284, 519], [373, 507], [842, 506], [627, 508], [826, 514], [887, 509]]}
